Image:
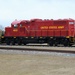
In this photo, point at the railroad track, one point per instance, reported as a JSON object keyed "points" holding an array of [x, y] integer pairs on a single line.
{"points": [[40, 48]]}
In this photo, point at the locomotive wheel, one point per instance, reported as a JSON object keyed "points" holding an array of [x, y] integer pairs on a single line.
{"points": [[24, 43], [13, 43], [70, 44], [56, 43], [19, 43], [66, 42], [50, 43], [7, 41]]}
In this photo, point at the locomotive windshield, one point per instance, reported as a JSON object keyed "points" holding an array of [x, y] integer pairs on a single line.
{"points": [[15, 26]]}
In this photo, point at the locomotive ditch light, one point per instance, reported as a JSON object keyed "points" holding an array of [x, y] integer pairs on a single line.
{"points": [[14, 37], [32, 37], [67, 36], [51, 37], [26, 37], [40, 37]]}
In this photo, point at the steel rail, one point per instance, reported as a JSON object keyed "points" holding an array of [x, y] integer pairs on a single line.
{"points": [[43, 49]]}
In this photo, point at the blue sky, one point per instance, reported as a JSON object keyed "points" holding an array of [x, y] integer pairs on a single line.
{"points": [[29, 9]]}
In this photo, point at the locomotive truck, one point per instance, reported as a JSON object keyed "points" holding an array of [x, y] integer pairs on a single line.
{"points": [[52, 32]]}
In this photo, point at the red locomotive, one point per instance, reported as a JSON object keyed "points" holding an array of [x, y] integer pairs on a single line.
{"points": [[53, 32]]}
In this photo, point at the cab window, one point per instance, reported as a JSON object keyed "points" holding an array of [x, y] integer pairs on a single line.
{"points": [[15, 26]]}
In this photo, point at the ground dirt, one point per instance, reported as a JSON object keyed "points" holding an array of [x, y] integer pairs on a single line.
{"points": [[28, 64]]}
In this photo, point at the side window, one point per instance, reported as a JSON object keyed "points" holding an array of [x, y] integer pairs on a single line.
{"points": [[15, 26], [71, 22], [20, 25]]}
